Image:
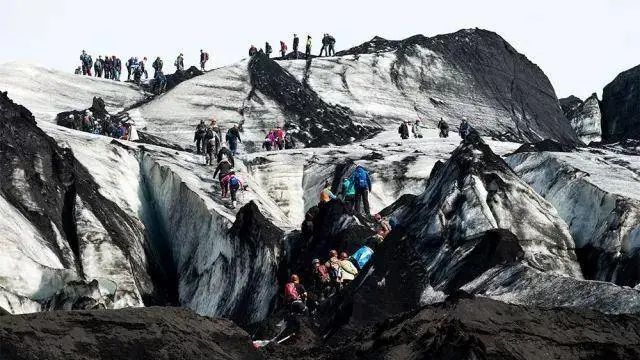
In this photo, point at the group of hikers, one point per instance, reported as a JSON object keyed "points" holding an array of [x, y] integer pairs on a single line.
{"points": [[110, 67], [278, 139], [464, 130], [328, 47], [340, 269], [107, 126]]}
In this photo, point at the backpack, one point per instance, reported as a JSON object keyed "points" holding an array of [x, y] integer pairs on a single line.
{"points": [[234, 181], [291, 293], [206, 56], [361, 179]]}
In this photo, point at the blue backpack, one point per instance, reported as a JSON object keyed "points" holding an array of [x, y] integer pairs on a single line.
{"points": [[234, 181], [361, 178]]}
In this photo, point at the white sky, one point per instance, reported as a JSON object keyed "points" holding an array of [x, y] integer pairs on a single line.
{"points": [[581, 45]]}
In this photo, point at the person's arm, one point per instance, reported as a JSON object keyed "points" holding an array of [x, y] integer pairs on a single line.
{"points": [[331, 195], [217, 171]]}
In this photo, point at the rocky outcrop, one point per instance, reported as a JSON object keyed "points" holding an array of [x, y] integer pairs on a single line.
{"points": [[585, 117], [317, 123], [58, 226], [620, 107], [464, 327], [150, 333]]}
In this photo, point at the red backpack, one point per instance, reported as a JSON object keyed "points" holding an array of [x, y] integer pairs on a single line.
{"points": [[291, 293]]}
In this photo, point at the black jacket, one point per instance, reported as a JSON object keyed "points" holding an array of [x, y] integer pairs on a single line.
{"points": [[296, 42], [232, 134], [229, 155], [223, 168]]}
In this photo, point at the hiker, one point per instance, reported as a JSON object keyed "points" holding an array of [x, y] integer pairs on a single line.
{"points": [[87, 63], [137, 73], [225, 153], [269, 141], [222, 170], [289, 141], [308, 47], [465, 128], [199, 136], [233, 137], [98, 66], [325, 194], [129, 66], [349, 271], [362, 183], [157, 66], [321, 279], [179, 63], [383, 225], [252, 50], [348, 193], [296, 42], [204, 57], [335, 271], [212, 144], [361, 257], [332, 43], [444, 128], [108, 67], [279, 138], [295, 295], [403, 130], [159, 82], [234, 184], [283, 48], [143, 69], [117, 68], [268, 49], [325, 45], [415, 130]]}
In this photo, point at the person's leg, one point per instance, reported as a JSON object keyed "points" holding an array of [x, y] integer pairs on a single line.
{"points": [[365, 200], [356, 204]]}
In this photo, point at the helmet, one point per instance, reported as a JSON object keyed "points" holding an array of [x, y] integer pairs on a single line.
{"points": [[315, 261], [343, 255], [295, 278], [377, 217]]}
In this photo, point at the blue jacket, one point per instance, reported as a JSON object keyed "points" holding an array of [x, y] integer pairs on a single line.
{"points": [[362, 256], [361, 179]]}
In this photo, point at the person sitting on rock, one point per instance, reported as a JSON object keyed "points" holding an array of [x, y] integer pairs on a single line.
{"points": [[444, 128], [222, 170], [383, 225], [403, 130], [295, 295], [325, 194], [349, 271], [199, 136]]}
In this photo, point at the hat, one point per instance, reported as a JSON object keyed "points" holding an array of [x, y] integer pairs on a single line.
{"points": [[315, 261]]}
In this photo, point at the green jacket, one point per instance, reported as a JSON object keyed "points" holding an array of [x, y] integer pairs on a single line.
{"points": [[347, 188]]}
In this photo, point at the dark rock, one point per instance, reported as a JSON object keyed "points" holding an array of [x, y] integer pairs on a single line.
{"points": [[621, 107], [136, 333], [570, 104], [318, 123], [480, 328], [178, 77], [495, 70], [545, 145]]}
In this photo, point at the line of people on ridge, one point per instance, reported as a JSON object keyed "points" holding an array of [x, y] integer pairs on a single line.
{"points": [[328, 47], [107, 126], [464, 129]]}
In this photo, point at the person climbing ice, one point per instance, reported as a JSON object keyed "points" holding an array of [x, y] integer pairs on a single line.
{"points": [[362, 183], [199, 136], [232, 138]]}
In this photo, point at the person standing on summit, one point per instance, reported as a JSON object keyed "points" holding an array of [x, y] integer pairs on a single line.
{"points": [[157, 66], [325, 45], [296, 43], [331, 41], [283, 49], [362, 182], [268, 49], [98, 66], [308, 47], [204, 57], [87, 63], [179, 63]]}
